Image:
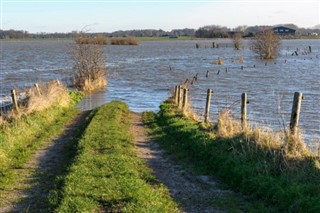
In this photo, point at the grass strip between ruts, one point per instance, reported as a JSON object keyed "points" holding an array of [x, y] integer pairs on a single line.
{"points": [[107, 175]]}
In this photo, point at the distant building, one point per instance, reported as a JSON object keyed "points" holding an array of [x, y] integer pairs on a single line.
{"points": [[283, 31]]}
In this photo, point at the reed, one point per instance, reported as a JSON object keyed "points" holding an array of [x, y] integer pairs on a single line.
{"points": [[125, 41]]}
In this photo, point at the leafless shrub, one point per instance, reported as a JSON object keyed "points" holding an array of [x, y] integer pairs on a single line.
{"points": [[237, 41], [90, 68], [266, 44]]}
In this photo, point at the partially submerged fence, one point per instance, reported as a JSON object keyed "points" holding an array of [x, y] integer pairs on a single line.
{"points": [[16, 101]]}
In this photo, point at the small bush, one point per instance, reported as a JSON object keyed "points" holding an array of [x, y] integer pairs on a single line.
{"points": [[237, 41]]}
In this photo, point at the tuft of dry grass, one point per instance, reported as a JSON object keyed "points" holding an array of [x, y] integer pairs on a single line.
{"points": [[218, 62], [52, 93], [227, 126], [240, 60], [90, 85]]}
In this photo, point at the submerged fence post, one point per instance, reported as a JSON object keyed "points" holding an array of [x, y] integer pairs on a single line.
{"points": [[14, 99], [38, 89], [207, 110], [244, 110], [176, 94], [185, 100], [295, 113]]}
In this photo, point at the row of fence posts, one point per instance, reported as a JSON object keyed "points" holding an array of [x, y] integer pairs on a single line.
{"points": [[15, 99], [181, 99]]}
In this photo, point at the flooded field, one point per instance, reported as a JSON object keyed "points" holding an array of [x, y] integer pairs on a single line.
{"points": [[143, 76]]}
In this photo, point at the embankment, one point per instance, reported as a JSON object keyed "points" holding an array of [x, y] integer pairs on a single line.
{"points": [[248, 161]]}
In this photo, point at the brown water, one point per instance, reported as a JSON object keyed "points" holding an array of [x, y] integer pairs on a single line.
{"points": [[141, 76]]}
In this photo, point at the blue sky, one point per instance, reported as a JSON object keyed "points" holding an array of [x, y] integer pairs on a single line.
{"points": [[111, 15]]}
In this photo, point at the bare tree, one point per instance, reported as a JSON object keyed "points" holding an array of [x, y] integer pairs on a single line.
{"points": [[266, 44], [90, 65], [237, 41]]}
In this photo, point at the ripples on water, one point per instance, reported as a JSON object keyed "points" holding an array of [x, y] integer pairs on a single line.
{"points": [[141, 76]]}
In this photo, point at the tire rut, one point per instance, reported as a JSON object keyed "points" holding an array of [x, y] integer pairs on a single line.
{"points": [[193, 193], [34, 187]]}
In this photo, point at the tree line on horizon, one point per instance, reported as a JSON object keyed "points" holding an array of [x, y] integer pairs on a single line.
{"points": [[209, 31]]}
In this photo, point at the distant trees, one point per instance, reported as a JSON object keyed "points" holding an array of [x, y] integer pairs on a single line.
{"points": [[13, 34], [212, 31], [266, 44]]}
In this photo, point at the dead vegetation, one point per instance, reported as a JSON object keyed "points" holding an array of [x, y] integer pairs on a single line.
{"points": [[237, 41], [90, 68], [124, 41], [281, 145], [98, 39], [286, 144], [52, 94], [218, 62]]}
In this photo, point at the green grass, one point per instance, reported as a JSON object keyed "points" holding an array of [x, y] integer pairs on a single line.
{"points": [[107, 175], [288, 184], [20, 138]]}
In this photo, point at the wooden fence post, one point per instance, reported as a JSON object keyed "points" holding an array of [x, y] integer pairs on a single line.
{"points": [[185, 100], [176, 94], [207, 110], [244, 110], [179, 96], [295, 113], [14, 99], [38, 89]]}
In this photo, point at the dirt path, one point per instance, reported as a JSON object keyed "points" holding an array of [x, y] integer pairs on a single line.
{"points": [[194, 193], [38, 174]]}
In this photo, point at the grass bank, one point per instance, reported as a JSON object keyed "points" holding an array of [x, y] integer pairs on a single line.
{"points": [[288, 182], [20, 137], [107, 175]]}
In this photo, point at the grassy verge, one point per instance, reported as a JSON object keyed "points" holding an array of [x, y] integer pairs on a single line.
{"points": [[20, 138], [107, 175], [290, 183]]}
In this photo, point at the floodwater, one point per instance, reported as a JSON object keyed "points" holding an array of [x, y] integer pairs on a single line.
{"points": [[143, 76]]}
